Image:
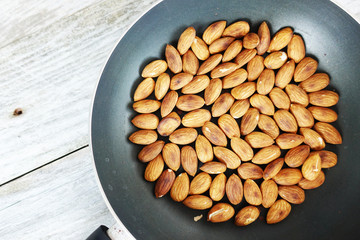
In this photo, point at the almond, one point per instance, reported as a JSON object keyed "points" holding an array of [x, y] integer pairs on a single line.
{"points": [[264, 35], [144, 89], [273, 168], [214, 134], [328, 132], [285, 74], [213, 91], [196, 118], [266, 155], [143, 137], [180, 188], [269, 191], [259, 140], [168, 103], [209, 64], [186, 39], [265, 82], [311, 168], [288, 176], [280, 99], [232, 51], [296, 48], [247, 215], [173, 59], [303, 116], [250, 171], [222, 104], [328, 159], [286, 121], [183, 136], [162, 85], [251, 40], [200, 49], [220, 212], [289, 140], [275, 60], [237, 29], [164, 183], [151, 151], [189, 160], [203, 149], [227, 156], [180, 80], [146, 106], [235, 78], [249, 121], [168, 124], [268, 126], [306, 184], [198, 84], [190, 62], [316, 82], [198, 202], [220, 44], [239, 108], [223, 69], [154, 169], [292, 194], [213, 32], [244, 90], [252, 192], [255, 67], [297, 94], [305, 69], [242, 149], [312, 138], [281, 39], [190, 102], [244, 57], [234, 189], [263, 104], [323, 98], [200, 183], [217, 187], [296, 157], [154, 69], [213, 167], [171, 156], [278, 211], [229, 126], [145, 121], [323, 114]]}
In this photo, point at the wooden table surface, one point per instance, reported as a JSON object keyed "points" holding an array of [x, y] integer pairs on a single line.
{"points": [[51, 56]]}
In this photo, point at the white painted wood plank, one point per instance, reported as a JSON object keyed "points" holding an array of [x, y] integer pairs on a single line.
{"points": [[352, 7]]}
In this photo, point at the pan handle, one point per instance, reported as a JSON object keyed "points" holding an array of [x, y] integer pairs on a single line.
{"points": [[99, 234]]}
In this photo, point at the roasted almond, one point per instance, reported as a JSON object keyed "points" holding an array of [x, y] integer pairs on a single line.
{"points": [[285, 74], [249, 121], [217, 187], [143, 137], [275, 60], [154, 169], [242, 149], [273, 168], [196, 118], [251, 40], [200, 183], [180, 80], [328, 132], [266, 155], [168, 124], [323, 98], [252, 192], [311, 168], [305, 69], [239, 108], [296, 48], [220, 44], [244, 90], [198, 84], [213, 32], [247, 215], [237, 29], [223, 69], [164, 183], [269, 191], [183, 136], [316, 82], [213, 91], [145, 121], [297, 94], [234, 189], [263, 104], [190, 62], [227, 156], [328, 159], [186, 39], [288, 176], [244, 57], [229, 126], [235, 78], [151, 151], [292, 194], [200, 49], [213, 167], [221, 212], [203, 149], [154, 69], [306, 184], [180, 188], [250, 171], [289, 140], [190, 102], [222, 104], [168, 103], [209, 64], [173, 59], [144, 89], [268, 126], [264, 35], [259, 140], [265, 82], [171, 156], [189, 160], [232, 51], [280, 99], [312, 138], [323, 114], [281, 39], [303, 117], [198, 202], [146, 106], [162, 85], [286, 121], [296, 157], [255, 67], [278, 211], [214, 134]]}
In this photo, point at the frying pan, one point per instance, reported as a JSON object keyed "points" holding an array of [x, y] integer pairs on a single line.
{"points": [[331, 36]]}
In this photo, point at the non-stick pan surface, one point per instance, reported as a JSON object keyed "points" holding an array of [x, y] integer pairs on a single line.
{"points": [[331, 36]]}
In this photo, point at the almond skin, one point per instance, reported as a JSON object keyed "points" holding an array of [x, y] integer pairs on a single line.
{"points": [[200, 183], [297, 94], [213, 91], [223, 69], [273, 168], [144, 89], [190, 102], [247, 215], [229, 126], [162, 85], [154, 69], [143, 137], [244, 57], [255, 67], [227, 156], [328, 159], [151, 151], [180, 188], [281, 39], [168, 103], [269, 191], [196, 118], [198, 202], [323, 98], [154, 169], [183, 136], [217, 187], [190, 62], [235, 78], [169, 124], [173, 59], [286, 121], [264, 35], [305, 69], [278, 211], [288, 176], [312, 138], [328, 132], [289, 140], [244, 90], [234, 189], [186, 39], [268, 126], [146, 121], [164, 183], [303, 117], [146, 106], [296, 156], [263, 104], [213, 32], [316, 82], [213, 167], [222, 104], [189, 160], [220, 44], [251, 40], [266, 155], [275, 60], [323, 114], [237, 29], [296, 48], [203, 149], [250, 171], [239, 108], [171, 156], [280, 99], [180, 80], [242, 149], [214, 134], [292, 194], [249, 121], [265, 82], [198, 84], [232, 51], [306, 184], [200, 49], [285, 74], [312, 166], [252, 192], [209, 64], [221, 212], [259, 140]]}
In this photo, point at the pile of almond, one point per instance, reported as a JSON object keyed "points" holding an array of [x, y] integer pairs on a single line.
{"points": [[235, 120]]}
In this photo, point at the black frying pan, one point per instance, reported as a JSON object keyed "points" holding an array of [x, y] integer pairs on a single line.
{"points": [[331, 36]]}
